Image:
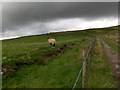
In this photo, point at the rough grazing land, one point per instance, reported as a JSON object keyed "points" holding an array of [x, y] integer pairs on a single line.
{"points": [[30, 62]]}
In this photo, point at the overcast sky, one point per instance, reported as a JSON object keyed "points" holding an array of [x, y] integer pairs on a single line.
{"points": [[29, 18]]}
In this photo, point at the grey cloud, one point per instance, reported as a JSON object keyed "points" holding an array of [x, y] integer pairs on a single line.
{"points": [[16, 15]]}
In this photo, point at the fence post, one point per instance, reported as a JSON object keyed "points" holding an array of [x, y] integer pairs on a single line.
{"points": [[84, 55], [90, 54], [84, 66], [84, 71], [84, 75]]}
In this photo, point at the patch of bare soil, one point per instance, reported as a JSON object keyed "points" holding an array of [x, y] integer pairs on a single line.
{"points": [[58, 52], [113, 60]]}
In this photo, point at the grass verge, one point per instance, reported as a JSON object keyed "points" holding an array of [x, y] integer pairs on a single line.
{"points": [[100, 75]]}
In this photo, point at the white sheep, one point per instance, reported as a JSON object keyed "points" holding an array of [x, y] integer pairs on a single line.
{"points": [[52, 41]]}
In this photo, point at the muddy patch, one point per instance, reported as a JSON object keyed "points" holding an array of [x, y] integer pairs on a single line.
{"points": [[58, 52]]}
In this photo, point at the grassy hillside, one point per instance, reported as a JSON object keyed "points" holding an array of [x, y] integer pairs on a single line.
{"points": [[30, 62]]}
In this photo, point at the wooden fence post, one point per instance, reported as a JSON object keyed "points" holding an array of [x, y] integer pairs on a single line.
{"points": [[90, 54], [84, 71], [84, 83], [84, 54], [84, 75]]}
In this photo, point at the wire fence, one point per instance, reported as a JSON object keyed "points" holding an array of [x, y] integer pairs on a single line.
{"points": [[85, 61]]}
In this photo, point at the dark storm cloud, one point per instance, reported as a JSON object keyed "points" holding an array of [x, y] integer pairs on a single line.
{"points": [[20, 14]]}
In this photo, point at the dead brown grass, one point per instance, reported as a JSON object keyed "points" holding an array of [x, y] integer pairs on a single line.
{"points": [[98, 50]]}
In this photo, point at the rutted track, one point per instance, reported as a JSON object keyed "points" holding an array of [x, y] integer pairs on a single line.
{"points": [[113, 60], [114, 42]]}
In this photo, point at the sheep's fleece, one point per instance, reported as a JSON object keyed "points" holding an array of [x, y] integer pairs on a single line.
{"points": [[52, 41]]}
